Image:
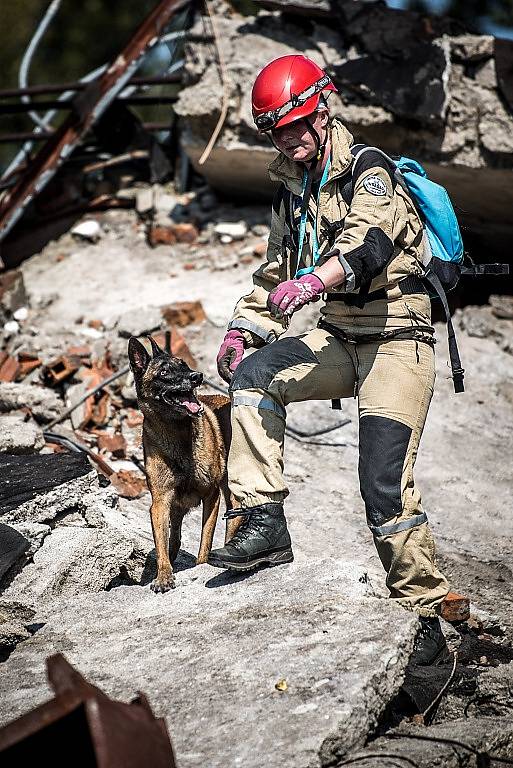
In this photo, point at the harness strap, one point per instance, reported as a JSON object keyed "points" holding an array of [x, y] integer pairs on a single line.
{"points": [[454, 355], [407, 332], [409, 285], [485, 269]]}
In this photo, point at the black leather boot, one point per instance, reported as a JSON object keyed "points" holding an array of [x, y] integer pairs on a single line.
{"points": [[262, 539], [429, 646]]}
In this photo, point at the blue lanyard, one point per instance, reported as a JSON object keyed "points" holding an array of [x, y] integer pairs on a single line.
{"points": [[302, 224]]}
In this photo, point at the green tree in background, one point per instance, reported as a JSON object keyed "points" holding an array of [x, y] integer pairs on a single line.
{"points": [[81, 36]]}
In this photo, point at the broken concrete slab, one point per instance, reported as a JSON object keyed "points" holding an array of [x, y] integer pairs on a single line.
{"points": [[76, 560], [227, 643], [19, 436], [43, 403], [31, 486], [80, 501], [35, 533]]}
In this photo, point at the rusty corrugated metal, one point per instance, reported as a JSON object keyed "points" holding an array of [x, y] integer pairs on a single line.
{"points": [[88, 106]]}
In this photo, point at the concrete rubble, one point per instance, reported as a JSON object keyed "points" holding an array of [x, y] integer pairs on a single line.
{"points": [[331, 697], [412, 84], [44, 404], [311, 655], [19, 436], [89, 552]]}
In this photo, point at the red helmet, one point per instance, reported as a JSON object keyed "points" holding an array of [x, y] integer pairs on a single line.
{"points": [[286, 89]]}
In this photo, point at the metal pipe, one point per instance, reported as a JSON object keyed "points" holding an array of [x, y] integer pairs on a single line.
{"points": [[41, 90], [16, 109], [29, 53], [12, 138]]}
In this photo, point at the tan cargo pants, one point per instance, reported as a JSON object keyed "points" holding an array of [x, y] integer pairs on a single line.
{"points": [[394, 384]]}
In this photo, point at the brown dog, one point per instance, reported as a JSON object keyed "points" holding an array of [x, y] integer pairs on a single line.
{"points": [[185, 440]]}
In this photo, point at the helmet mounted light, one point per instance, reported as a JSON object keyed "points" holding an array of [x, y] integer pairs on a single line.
{"points": [[266, 121]]}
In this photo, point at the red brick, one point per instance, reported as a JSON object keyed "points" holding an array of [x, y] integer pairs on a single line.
{"points": [[134, 418], [27, 364], [183, 313], [9, 369], [170, 234], [60, 369], [455, 607], [128, 483], [260, 250], [114, 444]]}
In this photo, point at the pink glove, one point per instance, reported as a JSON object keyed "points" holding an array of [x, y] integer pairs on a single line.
{"points": [[293, 294], [230, 354]]}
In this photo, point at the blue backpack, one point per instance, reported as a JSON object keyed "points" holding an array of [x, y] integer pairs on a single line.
{"points": [[444, 253]]}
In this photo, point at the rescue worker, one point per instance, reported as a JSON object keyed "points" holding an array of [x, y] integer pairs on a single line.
{"points": [[341, 228]]}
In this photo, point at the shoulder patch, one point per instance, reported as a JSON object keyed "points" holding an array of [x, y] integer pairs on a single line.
{"points": [[375, 186]]}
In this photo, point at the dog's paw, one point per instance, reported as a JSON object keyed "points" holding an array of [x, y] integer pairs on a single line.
{"points": [[162, 585]]}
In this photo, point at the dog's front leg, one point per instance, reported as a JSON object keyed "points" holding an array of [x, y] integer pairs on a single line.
{"points": [[210, 513], [160, 509]]}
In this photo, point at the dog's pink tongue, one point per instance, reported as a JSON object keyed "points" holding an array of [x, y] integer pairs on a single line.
{"points": [[192, 406]]}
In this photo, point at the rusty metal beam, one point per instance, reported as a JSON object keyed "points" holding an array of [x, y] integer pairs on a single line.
{"points": [[42, 90], [13, 138], [88, 106], [21, 107]]}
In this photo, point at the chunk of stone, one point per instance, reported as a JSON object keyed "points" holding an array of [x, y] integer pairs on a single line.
{"points": [[138, 322], [340, 652], [13, 295], [183, 313], [75, 560], [13, 546], [88, 230], [144, 201], [19, 436], [413, 85], [309, 8], [44, 404], [235, 230], [35, 533], [14, 618]]}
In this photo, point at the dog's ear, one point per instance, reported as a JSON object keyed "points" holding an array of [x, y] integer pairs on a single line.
{"points": [[139, 358], [156, 350]]}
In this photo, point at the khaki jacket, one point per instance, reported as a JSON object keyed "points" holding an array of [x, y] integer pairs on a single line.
{"points": [[380, 243]]}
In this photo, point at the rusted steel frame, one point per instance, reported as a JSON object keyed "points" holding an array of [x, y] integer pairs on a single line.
{"points": [[42, 90], [112, 734], [19, 107], [11, 138], [14, 109], [88, 106]]}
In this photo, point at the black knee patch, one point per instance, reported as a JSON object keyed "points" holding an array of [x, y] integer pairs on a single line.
{"points": [[259, 369], [383, 446]]}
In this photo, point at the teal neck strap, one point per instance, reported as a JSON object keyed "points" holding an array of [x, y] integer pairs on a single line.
{"points": [[302, 223]]}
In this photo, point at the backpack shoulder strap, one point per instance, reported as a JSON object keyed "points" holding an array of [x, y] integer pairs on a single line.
{"points": [[454, 355]]}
